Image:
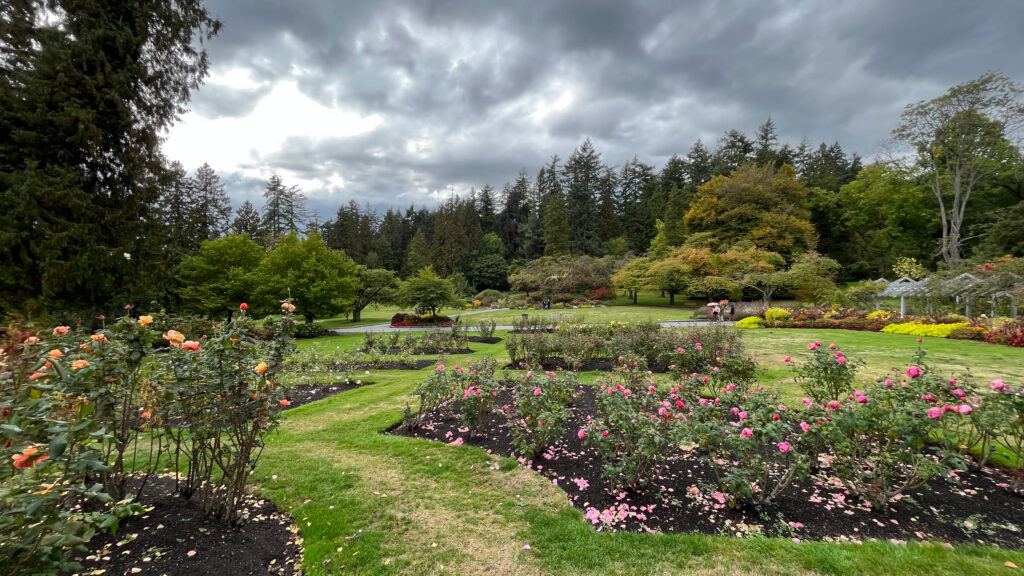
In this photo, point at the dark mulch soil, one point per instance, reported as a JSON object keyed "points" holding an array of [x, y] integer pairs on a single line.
{"points": [[390, 365], [172, 537], [594, 364], [968, 507], [426, 351], [482, 340], [305, 393]]}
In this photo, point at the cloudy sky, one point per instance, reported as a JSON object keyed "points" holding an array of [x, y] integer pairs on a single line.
{"points": [[400, 102]]}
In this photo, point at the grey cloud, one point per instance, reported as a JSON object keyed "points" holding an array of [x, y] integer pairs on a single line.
{"points": [[463, 77]]}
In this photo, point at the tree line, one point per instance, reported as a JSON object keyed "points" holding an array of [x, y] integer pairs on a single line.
{"points": [[93, 215]]}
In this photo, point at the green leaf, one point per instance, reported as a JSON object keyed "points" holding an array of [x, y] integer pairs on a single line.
{"points": [[58, 445]]}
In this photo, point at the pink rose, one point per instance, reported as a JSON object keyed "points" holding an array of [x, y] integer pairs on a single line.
{"points": [[536, 391], [934, 412], [913, 372], [841, 360], [964, 409], [805, 426], [746, 433], [787, 359], [582, 433], [784, 447], [440, 367]]}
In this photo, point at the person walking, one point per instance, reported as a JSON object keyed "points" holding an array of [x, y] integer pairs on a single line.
{"points": [[732, 311]]}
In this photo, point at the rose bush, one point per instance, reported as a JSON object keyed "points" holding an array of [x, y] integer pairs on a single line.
{"points": [[80, 413]]}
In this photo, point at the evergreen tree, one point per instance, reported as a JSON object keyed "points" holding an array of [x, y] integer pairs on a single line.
{"points": [[636, 186], [581, 174], [456, 236], [513, 213], [675, 213], [214, 205], [178, 211], [734, 150], [86, 89], [556, 225], [698, 165], [485, 208], [247, 221], [607, 220], [284, 208], [417, 254], [766, 145], [533, 227], [673, 173]]}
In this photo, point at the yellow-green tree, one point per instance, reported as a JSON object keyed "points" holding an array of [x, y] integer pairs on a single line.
{"points": [[760, 204]]}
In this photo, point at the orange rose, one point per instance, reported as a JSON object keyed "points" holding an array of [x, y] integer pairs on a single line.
{"points": [[191, 345], [98, 338], [23, 459], [145, 320], [144, 415], [61, 330], [55, 353], [31, 340], [288, 306], [37, 376], [79, 364], [174, 337], [261, 367], [285, 402]]}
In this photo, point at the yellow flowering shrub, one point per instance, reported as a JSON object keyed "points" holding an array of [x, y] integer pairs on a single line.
{"points": [[883, 315], [919, 329], [776, 314], [750, 323]]}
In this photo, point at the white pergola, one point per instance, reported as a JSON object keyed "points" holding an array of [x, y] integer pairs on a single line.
{"points": [[964, 288]]}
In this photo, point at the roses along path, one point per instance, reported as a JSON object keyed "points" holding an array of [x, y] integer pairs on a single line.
{"points": [[681, 490]]}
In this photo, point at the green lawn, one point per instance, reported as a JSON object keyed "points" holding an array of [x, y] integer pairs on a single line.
{"points": [[368, 503], [881, 354], [624, 313]]}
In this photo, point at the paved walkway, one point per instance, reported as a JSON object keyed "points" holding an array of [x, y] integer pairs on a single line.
{"points": [[389, 328]]}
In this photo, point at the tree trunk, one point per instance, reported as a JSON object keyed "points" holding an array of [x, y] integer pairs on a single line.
{"points": [[357, 314], [671, 298]]}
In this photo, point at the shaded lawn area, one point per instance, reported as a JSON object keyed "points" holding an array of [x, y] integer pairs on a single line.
{"points": [[370, 503]]}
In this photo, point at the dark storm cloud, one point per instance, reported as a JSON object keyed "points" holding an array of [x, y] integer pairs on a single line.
{"points": [[465, 90]]}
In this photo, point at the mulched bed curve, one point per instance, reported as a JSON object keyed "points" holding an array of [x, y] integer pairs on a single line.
{"points": [[425, 351], [482, 340], [302, 394], [969, 507], [389, 365], [172, 537]]}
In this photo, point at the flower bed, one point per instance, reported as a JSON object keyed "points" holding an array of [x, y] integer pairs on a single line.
{"points": [[684, 498], [900, 458], [411, 320], [684, 352]]}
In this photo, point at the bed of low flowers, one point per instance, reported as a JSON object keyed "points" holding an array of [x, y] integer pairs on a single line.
{"points": [[906, 457]]}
